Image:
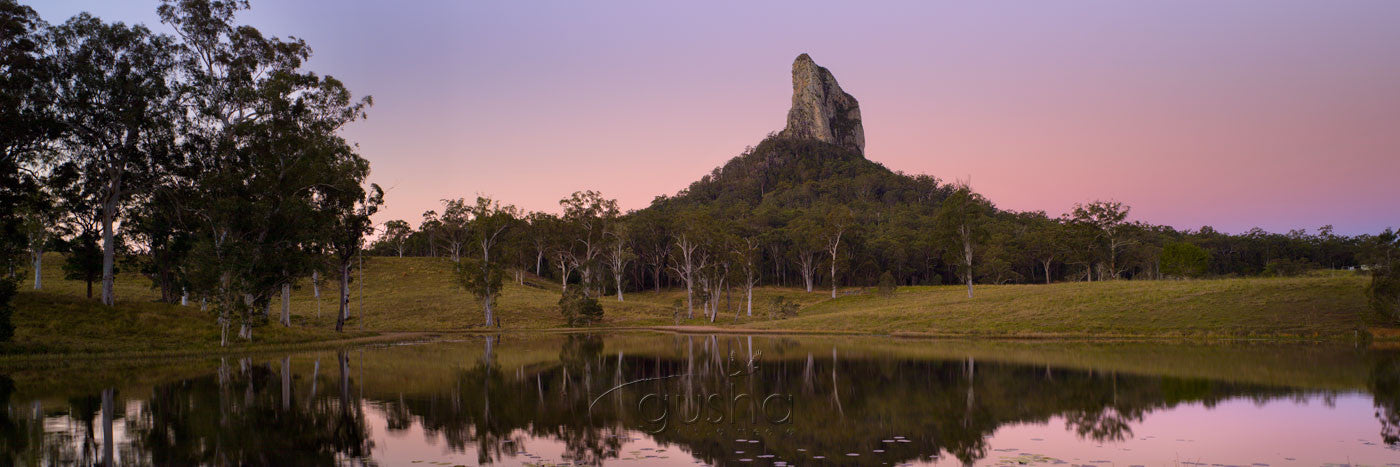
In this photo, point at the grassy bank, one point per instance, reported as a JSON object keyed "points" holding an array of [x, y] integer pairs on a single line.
{"points": [[419, 294], [1325, 305]]}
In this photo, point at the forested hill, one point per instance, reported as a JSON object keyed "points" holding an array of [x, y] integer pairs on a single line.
{"points": [[791, 173]]}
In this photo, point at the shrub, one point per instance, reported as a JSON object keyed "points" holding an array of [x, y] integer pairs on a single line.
{"points": [[578, 309], [1384, 293], [887, 285], [783, 308]]}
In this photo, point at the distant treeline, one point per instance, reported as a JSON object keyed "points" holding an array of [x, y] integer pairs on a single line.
{"points": [[811, 214]]}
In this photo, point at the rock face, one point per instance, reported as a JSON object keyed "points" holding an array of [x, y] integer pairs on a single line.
{"points": [[821, 110]]}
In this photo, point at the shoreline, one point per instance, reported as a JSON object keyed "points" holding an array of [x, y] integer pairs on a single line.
{"points": [[392, 337]]}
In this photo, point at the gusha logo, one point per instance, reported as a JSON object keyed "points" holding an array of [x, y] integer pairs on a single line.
{"points": [[716, 408]]}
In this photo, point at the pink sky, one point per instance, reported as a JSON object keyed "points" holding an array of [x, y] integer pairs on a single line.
{"points": [[1276, 114]]}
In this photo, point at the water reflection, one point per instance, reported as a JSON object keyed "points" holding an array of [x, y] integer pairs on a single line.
{"points": [[581, 398]]}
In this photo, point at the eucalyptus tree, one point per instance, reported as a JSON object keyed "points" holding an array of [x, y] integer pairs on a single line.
{"points": [[350, 208], [805, 233], [692, 234], [28, 126], [618, 253], [41, 223], [431, 227], [1045, 239], [166, 238], [482, 275], [115, 100], [838, 219], [1108, 219], [266, 175], [542, 229], [749, 253], [591, 217], [396, 235], [960, 226], [452, 226], [651, 237]]}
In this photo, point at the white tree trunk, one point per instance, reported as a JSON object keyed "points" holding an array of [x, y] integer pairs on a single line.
{"points": [[967, 257], [617, 278], [286, 304], [809, 269], [748, 299], [490, 315], [38, 268], [109, 255]]}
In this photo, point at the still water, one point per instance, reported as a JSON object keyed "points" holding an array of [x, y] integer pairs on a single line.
{"points": [[664, 399]]}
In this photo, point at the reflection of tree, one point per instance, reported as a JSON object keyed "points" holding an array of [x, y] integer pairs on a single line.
{"points": [[16, 434], [493, 413], [210, 421], [1384, 383], [943, 407], [253, 414]]}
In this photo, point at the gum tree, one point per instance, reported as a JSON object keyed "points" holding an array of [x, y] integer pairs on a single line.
{"points": [[115, 102], [959, 227]]}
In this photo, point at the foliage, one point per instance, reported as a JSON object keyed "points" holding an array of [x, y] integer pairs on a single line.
{"points": [[579, 309], [781, 307], [1384, 293], [27, 122], [1183, 259], [1287, 267], [887, 285], [479, 279], [1108, 222], [960, 226], [84, 260]]}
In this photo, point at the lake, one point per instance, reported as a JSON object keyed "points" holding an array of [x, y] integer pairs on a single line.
{"points": [[669, 399]]}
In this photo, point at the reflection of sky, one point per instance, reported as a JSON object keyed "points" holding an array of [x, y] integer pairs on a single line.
{"points": [[1234, 432], [414, 444], [1240, 431], [1279, 114]]}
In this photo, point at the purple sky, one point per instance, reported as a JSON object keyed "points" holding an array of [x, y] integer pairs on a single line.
{"points": [[1234, 114]]}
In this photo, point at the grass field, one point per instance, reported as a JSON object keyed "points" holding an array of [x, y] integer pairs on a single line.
{"points": [[419, 294], [1322, 305]]}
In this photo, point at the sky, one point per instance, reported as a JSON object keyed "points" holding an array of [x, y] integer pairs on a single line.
{"points": [[1240, 114]]}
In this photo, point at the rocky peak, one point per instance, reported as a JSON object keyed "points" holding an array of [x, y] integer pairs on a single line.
{"points": [[821, 110]]}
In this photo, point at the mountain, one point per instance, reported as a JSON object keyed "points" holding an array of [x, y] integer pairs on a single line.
{"points": [[821, 110], [818, 159]]}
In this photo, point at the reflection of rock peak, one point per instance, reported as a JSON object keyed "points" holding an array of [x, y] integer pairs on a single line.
{"points": [[821, 110]]}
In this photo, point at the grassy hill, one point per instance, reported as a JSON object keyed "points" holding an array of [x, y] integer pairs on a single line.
{"points": [[419, 294]]}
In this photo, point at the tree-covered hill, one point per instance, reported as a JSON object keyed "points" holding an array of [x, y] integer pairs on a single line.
{"points": [[790, 173]]}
